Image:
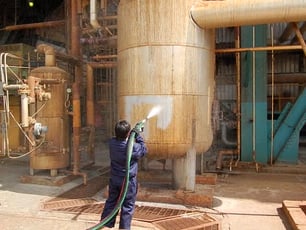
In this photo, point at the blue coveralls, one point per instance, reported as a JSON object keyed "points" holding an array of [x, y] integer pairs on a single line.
{"points": [[118, 152]]}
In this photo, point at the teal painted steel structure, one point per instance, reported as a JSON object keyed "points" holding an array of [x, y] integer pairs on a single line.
{"points": [[257, 142], [254, 144], [287, 129]]}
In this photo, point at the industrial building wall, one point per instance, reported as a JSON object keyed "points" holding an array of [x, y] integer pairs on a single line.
{"points": [[284, 69]]}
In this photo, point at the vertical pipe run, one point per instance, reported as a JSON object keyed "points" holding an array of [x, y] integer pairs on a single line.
{"points": [[90, 96], [76, 127], [24, 111], [75, 34], [76, 52], [238, 66], [90, 111], [93, 14], [253, 96], [272, 99]]}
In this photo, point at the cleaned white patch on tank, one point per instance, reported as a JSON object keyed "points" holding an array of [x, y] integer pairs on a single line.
{"points": [[166, 103]]}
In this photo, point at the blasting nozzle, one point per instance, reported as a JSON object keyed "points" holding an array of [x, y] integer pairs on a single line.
{"points": [[140, 126]]}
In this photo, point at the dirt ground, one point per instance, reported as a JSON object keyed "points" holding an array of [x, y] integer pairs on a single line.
{"points": [[242, 199]]}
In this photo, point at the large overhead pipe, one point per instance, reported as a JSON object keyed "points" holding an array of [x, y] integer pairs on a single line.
{"points": [[228, 13]]}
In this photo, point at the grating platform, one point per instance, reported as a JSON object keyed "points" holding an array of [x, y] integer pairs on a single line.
{"points": [[78, 201], [191, 221], [159, 218]]}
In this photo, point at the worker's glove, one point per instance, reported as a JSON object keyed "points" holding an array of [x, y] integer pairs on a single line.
{"points": [[138, 128]]}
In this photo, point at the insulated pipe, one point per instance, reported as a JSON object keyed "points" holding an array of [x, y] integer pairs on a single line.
{"points": [[24, 111], [93, 14], [228, 13], [49, 54]]}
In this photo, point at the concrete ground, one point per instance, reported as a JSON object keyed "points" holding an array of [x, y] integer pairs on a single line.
{"points": [[242, 199]]}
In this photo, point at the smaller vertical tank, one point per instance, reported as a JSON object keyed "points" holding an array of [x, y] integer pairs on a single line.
{"points": [[53, 154]]}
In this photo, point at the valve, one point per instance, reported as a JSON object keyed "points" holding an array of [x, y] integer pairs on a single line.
{"points": [[39, 129]]}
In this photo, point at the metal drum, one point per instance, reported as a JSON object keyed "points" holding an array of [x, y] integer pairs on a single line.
{"points": [[165, 59]]}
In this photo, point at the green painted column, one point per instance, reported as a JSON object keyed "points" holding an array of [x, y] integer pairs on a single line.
{"points": [[254, 95]]}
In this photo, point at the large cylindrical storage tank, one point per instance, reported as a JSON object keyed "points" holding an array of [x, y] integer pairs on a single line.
{"points": [[165, 59], [54, 152]]}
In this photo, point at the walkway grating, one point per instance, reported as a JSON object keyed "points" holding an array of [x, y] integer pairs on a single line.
{"points": [[161, 218], [78, 201]]}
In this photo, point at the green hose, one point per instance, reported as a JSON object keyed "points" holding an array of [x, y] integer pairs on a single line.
{"points": [[126, 184]]}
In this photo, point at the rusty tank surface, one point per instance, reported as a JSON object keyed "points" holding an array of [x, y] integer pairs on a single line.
{"points": [[53, 154], [165, 59]]}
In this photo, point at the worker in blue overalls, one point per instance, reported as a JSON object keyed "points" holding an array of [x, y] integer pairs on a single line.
{"points": [[118, 153]]}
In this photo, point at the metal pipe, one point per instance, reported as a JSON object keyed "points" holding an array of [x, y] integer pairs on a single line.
{"points": [[24, 111], [300, 37], [220, 155], [254, 96], [228, 13], [32, 82], [238, 114], [14, 86], [227, 142], [103, 65], [224, 135], [272, 101], [76, 127], [90, 111], [76, 103], [266, 48], [49, 54], [104, 56], [93, 14], [35, 25], [90, 96]]}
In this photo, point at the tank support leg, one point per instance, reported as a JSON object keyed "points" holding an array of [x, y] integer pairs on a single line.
{"points": [[184, 170], [53, 172], [31, 171]]}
